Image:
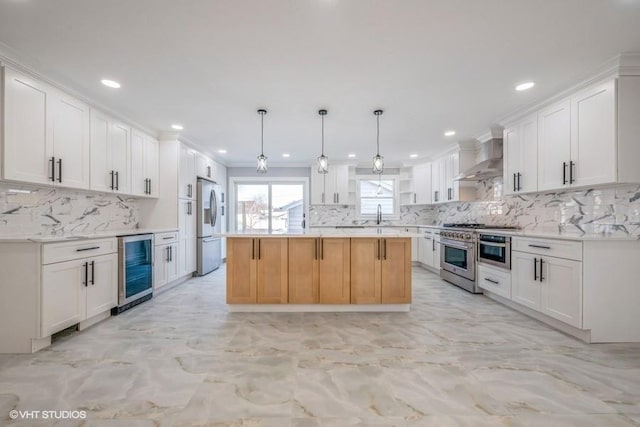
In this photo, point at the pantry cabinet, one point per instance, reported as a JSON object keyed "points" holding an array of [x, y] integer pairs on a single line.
{"points": [[46, 134], [187, 173], [331, 188], [144, 165], [520, 144], [110, 154], [187, 236]]}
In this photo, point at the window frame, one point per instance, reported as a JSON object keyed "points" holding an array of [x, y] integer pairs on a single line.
{"points": [[396, 196]]}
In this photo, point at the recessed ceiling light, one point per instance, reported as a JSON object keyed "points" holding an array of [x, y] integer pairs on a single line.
{"points": [[222, 151], [450, 133], [525, 86], [413, 156], [110, 83], [286, 155], [351, 156], [177, 127]]}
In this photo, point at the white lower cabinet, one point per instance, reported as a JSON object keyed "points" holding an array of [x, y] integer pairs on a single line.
{"points": [[495, 280], [77, 290], [550, 285], [166, 264], [429, 250]]}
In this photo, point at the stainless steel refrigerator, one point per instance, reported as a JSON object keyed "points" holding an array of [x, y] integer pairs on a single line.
{"points": [[209, 245]]}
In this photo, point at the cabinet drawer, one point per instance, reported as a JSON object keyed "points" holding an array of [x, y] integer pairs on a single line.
{"points": [[67, 251], [166, 238], [495, 280], [556, 248]]}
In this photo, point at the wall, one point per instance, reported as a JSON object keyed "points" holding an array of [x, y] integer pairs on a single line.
{"points": [[612, 210], [41, 211]]}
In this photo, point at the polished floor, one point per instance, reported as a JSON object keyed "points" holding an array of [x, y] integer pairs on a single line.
{"points": [[455, 360]]}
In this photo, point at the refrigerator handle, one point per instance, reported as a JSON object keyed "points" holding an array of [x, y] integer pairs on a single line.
{"points": [[213, 206]]}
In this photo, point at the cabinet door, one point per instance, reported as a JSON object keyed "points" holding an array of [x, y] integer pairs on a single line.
{"points": [[203, 166], [436, 192], [593, 135], [186, 256], [525, 288], [452, 187], [304, 274], [366, 279], [119, 148], [396, 271], [71, 141], [335, 271], [187, 175], [317, 187], [28, 142], [241, 271], [562, 290], [273, 273], [173, 265], [436, 253], [422, 184], [330, 187], [187, 218], [554, 146], [342, 184], [512, 159], [100, 160], [102, 291], [63, 295], [161, 257], [152, 165], [138, 173]]}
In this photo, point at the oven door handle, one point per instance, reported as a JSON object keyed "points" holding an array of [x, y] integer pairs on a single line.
{"points": [[466, 248], [497, 245]]}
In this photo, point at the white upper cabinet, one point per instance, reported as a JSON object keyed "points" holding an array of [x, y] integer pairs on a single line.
{"points": [[46, 134], [444, 187], [593, 135], [521, 156], [331, 188], [422, 184], [436, 180], [110, 154], [187, 173], [144, 165], [205, 167], [554, 146]]}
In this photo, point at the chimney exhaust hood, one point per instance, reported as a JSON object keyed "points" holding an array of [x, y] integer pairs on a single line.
{"points": [[491, 167]]}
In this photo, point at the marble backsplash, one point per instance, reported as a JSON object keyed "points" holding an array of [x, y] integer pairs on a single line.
{"points": [[611, 210], [48, 211]]}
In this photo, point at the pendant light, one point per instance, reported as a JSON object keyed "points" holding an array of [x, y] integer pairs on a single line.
{"points": [[323, 161], [378, 160], [262, 159]]}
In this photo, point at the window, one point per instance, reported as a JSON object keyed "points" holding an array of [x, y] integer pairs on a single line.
{"points": [[269, 206], [374, 191]]}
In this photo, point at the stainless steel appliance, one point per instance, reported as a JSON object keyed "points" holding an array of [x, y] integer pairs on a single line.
{"points": [[458, 258], [135, 271], [209, 242], [459, 244], [495, 250]]}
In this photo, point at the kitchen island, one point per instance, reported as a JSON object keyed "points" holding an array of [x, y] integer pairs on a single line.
{"points": [[319, 270]]}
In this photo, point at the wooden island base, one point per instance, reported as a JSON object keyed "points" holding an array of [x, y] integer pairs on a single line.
{"points": [[300, 273]]}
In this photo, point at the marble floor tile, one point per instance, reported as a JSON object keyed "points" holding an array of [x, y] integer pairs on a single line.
{"points": [[456, 359]]}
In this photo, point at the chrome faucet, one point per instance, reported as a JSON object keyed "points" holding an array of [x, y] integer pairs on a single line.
{"points": [[379, 214]]}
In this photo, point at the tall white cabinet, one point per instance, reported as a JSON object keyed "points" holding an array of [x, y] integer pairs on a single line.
{"points": [[144, 165]]}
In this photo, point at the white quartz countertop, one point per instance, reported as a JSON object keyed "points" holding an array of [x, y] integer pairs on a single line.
{"points": [[564, 236], [330, 232], [84, 236]]}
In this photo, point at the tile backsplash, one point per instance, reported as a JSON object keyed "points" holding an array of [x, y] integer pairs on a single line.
{"points": [[42, 211], [610, 210]]}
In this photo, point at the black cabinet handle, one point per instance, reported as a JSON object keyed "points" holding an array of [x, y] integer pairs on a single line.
{"points": [[221, 197], [572, 165], [222, 214], [86, 273], [415, 198], [59, 170], [53, 169], [112, 173], [93, 272], [519, 186], [385, 248], [514, 183], [535, 269], [321, 248], [88, 249], [378, 252], [208, 171], [253, 249], [117, 180], [167, 238], [564, 173], [540, 246], [259, 248], [315, 248], [541, 278], [495, 282]]}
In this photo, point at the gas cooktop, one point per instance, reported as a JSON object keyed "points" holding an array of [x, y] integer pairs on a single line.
{"points": [[473, 226]]}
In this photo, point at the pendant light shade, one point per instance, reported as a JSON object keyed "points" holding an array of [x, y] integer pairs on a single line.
{"points": [[378, 160], [323, 161], [262, 159]]}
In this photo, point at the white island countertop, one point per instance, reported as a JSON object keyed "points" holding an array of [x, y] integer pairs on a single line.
{"points": [[84, 236], [328, 233]]}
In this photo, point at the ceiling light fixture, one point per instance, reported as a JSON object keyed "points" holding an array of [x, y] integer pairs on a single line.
{"points": [[177, 127], [450, 133], [287, 155], [222, 151], [351, 155], [323, 161], [525, 86], [413, 156], [110, 83], [262, 159], [378, 160]]}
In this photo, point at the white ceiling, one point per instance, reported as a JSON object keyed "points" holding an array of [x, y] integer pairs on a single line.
{"points": [[431, 65]]}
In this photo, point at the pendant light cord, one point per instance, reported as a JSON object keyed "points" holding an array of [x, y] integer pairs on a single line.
{"points": [[378, 134], [262, 134], [322, 116]]}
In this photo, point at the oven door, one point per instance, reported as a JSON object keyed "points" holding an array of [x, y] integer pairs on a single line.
{"points": [[497, 252], [458, 258]]}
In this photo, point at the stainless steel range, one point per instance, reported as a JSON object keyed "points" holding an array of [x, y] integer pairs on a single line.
{"points": [[458, 254]]}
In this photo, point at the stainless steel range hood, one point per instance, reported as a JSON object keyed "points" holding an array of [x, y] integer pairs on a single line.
{"points": [[491, 167]]}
